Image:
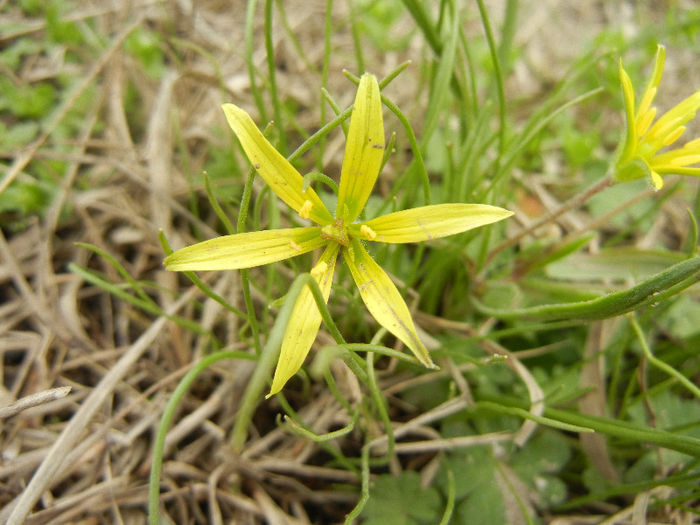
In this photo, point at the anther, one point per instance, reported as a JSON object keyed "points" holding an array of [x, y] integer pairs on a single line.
{"points": [[368, 232], [319, 270], [305, 209]]}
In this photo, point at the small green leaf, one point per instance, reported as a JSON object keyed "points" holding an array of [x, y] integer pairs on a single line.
{"points": [[477, 488], [400, 500]]}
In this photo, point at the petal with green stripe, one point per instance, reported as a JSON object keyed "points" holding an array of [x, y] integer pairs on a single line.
{"points": [[275, 170], [364, 150], [245, 250], [429, 222], [383, 300], [304, 321]]}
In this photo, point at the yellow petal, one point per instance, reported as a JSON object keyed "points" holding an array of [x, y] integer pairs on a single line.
{"points": [[630, 142], [654, 80], [430, 222], [304, 321], [673, 137], [671, 120], [644, 120], [277, 171], [383, 300], [245, 250], [364, 150], [676, 170]]}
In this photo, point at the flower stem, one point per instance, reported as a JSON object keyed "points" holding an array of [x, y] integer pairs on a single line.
{"points": [[658, 363], [574, 202], [270, 353]]}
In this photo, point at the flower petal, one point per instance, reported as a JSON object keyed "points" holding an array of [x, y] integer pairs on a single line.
{"points": [[630, 141], [304, 321], [364, 150], [277, 171], [245, 250], [653, 84], [430, 222], [656, 180], [383, 300], [673, 119]]}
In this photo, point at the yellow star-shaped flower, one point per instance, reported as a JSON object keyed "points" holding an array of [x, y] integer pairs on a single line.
{"points": [[639, 155], [364, 152]]}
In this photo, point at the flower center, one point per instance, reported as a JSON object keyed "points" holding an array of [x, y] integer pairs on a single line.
{"points": [[336, 232]]}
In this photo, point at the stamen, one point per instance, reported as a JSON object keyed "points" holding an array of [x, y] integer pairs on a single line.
{"points": [[684, 160], [674, 136], [646, 101], [644, 120], [692, 145], [305, 209], [368, 232]]}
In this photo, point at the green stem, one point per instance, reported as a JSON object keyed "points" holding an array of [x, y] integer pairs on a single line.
{"points": [[657, 362], [574, 202], [498, 76], [327, 29], [133, 283], [451, 493], [201, 284], [612, 427], [249, 49], [214, 203], [379, 402], [270, 51], [320, 177], [364, 490], [146, 306], [245, 273], [168, 414], [269, 355], [658, 287]]}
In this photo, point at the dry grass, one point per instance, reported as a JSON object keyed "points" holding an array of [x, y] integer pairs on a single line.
{"points": [[86, 375]]}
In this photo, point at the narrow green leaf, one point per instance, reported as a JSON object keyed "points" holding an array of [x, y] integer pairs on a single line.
{"points": [[671, 280]]}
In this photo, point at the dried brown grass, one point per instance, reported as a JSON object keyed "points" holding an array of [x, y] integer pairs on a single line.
{"points": [[85, 376]]}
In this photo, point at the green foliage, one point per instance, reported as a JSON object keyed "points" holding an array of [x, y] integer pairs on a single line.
{"points": [[59, 30], [478, 491], [26, 101], [464, 133], [147, 47], [485, 483], [400, 500], [539, 463], [21, 200], [32, 7]]}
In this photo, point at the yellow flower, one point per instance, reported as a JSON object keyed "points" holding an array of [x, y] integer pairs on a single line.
{"points": [[364, 152], [639, 156]]}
